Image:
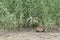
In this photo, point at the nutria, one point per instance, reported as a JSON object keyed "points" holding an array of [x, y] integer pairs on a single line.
{"points": [[40, 29]]}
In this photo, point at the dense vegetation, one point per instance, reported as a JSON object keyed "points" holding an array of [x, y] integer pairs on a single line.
{"points": [[29, 13]]}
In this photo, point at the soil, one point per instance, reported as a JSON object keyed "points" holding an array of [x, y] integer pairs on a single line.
{"points": [[29, 35]]}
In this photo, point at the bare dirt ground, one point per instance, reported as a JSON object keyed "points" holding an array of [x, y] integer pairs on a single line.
{"points": [[29, 36]]}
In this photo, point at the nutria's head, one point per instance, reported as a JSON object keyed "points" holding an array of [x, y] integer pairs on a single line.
{"points": [[40, 29]]}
